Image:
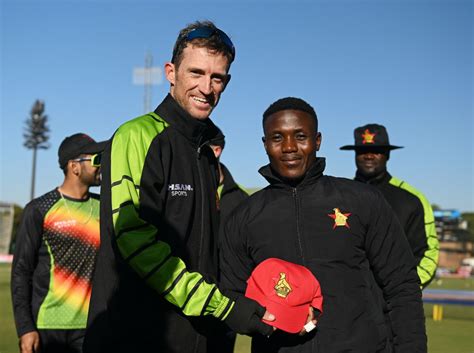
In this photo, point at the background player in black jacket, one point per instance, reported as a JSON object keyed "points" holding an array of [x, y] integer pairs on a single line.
{"points": [[230, 193], [55, 255], [230, 196], [342, 230], [372, 148]]}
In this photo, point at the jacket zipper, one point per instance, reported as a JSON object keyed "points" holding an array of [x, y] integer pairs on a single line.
{"points": [[298, 233], [201, 183]]}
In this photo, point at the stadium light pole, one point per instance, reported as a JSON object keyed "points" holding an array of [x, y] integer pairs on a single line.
{"points": [[147, 76], [36, 136]]}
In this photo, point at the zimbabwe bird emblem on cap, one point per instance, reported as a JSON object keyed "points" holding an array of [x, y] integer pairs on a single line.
{"points": [[282, 287], [368, 137]]}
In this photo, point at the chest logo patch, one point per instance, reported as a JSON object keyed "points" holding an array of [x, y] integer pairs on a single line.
{"points": [[340, 219], [282, 288], [180, 189], [367, 137]]}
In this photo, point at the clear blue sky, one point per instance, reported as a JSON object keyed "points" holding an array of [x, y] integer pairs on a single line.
{"points": [[404, 64]]}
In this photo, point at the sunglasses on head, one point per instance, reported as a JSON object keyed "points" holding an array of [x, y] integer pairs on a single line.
{"points": [[94, 159], [207, 32]]}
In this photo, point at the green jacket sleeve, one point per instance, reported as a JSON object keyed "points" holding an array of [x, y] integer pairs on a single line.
{"points": [[428, 263], [138, 238]]}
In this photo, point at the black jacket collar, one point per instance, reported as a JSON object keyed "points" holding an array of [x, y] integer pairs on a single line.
{"points": [[229, 182], [313, 174], [195, 130], [382, 178]]}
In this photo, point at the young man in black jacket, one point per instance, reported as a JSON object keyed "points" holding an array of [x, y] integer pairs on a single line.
{"points": [[372, 148], [343, 231], [155, 282]]}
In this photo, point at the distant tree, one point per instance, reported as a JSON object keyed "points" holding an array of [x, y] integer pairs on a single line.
{"points": [[469, 217], [36, 136], [435, 207]]}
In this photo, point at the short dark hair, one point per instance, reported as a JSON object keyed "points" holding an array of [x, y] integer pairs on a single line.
{"points": [[290, 103], [213, 43]]}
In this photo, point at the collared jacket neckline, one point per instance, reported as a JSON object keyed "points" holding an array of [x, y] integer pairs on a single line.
{"points": [[312, 175], [382, 178], [198, 132], [229, 183]]}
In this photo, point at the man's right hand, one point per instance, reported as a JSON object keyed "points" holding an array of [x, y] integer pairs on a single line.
{"points": [[245, 317], [29, 342], [311, 318]]}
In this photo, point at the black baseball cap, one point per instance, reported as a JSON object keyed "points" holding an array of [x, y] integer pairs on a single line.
{"points": [[370, 136], [75, 145]]}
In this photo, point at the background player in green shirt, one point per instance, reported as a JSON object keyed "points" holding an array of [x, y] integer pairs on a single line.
{"points": [[55, 254]]}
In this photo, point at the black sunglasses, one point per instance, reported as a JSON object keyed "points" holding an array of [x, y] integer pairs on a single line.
{"points": [[207, 32], [95, 160]]}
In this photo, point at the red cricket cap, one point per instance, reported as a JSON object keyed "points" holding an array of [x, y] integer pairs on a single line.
{"points": [[286, 290]]}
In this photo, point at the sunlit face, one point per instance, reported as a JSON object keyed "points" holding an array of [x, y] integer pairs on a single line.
{"points": [[198, 81], [291, 142], [371, 163]]}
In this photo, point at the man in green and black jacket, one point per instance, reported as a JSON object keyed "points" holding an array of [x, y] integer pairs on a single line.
{"points": [[155, 279], [413, 210]]}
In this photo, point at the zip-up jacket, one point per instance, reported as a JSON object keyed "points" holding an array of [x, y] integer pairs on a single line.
{"points": [[158, 262], [416, 216], [347, 235], [230, 195], [54, 258]]}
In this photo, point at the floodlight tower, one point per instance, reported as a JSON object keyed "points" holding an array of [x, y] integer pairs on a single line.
{"points": [[147, 76], [36, 136]]}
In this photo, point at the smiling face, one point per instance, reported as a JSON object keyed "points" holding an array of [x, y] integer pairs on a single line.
{"points": [[291, 142], [371, 162], [199, 80]]}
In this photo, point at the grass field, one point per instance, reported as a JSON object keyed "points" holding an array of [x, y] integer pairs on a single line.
{"points": [[8, 340], [454, 334]]}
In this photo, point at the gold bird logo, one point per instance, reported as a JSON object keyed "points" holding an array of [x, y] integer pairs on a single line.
{"points": [[340, 219], [367, 137], [282, 288]]}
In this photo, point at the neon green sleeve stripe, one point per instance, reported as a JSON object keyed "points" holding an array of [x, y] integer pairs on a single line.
{"points": [[219, 190], [129, 149], [427, 267], [223, 305], [168, 275], [137, 240]]}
